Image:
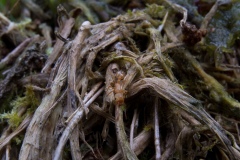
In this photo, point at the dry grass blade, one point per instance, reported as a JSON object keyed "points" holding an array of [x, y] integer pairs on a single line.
{"points": [[173, 94], [133, 127], [215, 88], [165, 88], [96, 109], [72, 123], [65, 29], [156, 130], [19, 129], [16, 52], [140, 142], [124, 145], [155, 34], [35, 128]]}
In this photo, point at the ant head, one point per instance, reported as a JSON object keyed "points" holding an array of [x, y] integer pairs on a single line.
{"points": [[115, 68], [120, 75]]}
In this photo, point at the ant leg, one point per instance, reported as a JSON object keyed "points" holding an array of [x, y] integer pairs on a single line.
{"points": [[110, 91]]}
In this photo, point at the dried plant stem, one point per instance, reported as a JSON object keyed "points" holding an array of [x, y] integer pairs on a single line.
{"points": [[72, 66], [139, 144], [31, 144], [207, 19], [209, 15], [170, 147], [86, 99], [74, 51], [46, 31], [179, 9], [216, 89], [124, 145], [132, 58], [72, 124], [96, 109], [105, 130], [74, 143], [172, 93], [8, 157], [11, 30], [37, 10], [134, 120], [155, 34], [57, 101], [235, 145], [93, 90], [131, 74], [66, 28], [238, 132], [18, 130], [184, 134], [190, 119], [72, 91], [16, 52], [156, 131], [4, 19], [160, 28]]}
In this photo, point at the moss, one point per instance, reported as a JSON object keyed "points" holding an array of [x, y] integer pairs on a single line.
{"points": [[148, 127], [30, 101], [225, 26], [18, 140], [13, 118], [155, 11]]}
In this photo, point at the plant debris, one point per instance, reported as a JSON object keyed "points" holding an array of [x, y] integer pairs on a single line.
{"points": [[120, 80]]}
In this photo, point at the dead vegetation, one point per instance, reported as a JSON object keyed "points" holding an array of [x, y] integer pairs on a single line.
{"points": [[146, 84]]}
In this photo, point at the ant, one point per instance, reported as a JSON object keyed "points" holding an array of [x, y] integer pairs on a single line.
{"points": [[116, 90], [119, 91]]}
